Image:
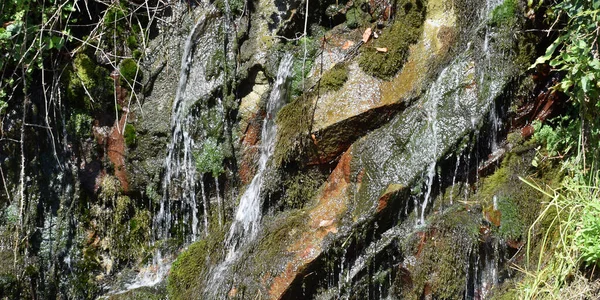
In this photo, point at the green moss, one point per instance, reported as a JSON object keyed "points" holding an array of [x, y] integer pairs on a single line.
{"points": [[301, 188], [130, 135], [397, 39], [132, 42], [137, 54], [86, 79], [511, 225], [312, 46], [191, 267], [505, 13], [79, 126], [130, 72], [215, 65], [293, 122], [334, 78], [355, 17], [444, 253]]}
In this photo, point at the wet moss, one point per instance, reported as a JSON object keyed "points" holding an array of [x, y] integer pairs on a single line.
{"points": [[86, 80], [505, 13], [130, 72], [511, 225], [192, 266], [334, 78], [293, 125], [356, 17], [301, 188], [397, 39], [442, 252], [130, 135], [132, 42], [79, 125]]}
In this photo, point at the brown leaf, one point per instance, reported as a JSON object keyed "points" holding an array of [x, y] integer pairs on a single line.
{"points": [[347, 45], [384, 50], [366, 35]]}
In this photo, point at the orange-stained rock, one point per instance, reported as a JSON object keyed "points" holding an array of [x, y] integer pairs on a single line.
{"points": [[323, 220], [250, 151]]}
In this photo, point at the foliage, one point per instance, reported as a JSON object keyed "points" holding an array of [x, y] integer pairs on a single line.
{"points": [[88, 85], [404, 32], [302, 188], [130, 72], [575, 54], [192, 265], [210, 159], [571, 238], [299, 77], [511, 222], [334, 78]]}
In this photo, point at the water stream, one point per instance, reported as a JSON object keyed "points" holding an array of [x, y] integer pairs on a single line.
{"points": [[248, 214], [179, 181]]}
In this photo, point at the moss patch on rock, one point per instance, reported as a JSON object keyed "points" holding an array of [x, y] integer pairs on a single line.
{"points": [[293, 122], [192, 266], [334, 78], [397, 38], [86, 80]]}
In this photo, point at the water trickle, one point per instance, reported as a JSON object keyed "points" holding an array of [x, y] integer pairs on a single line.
{"points": [[248, 215], [179, 181]]}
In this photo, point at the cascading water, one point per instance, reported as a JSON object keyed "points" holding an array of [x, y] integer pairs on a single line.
{"points": [[245, 225], [179, 181], [248, 214]]}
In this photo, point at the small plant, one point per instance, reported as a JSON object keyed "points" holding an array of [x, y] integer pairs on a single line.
{"points": [[80, 125], [210, 159]]}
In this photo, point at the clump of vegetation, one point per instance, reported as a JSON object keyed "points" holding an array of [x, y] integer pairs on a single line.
{"points": [[130, 135], [505, 13], [191, 266], [397, 38], [567, 246], [334, 78], [80, 125], [298, 76], [210, 158], [444, 251], [356, 17], [511, 223], [130, 72], [88, 85], [293, 121], [301, 188]]}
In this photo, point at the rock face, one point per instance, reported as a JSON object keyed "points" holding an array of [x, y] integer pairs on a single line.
{"points": [[373, 189], [393, 135]]}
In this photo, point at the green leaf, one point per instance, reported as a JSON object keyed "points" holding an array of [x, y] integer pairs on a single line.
{"points": [[584, 83], [549, 52]]}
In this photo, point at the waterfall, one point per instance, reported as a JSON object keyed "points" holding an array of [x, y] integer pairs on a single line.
{"points": [[179, 181], [248, 214], [247, 217]]}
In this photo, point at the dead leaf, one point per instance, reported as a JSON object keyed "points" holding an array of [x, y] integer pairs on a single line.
{"points": [[366, 35], [384, 50], [347, 45]]}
